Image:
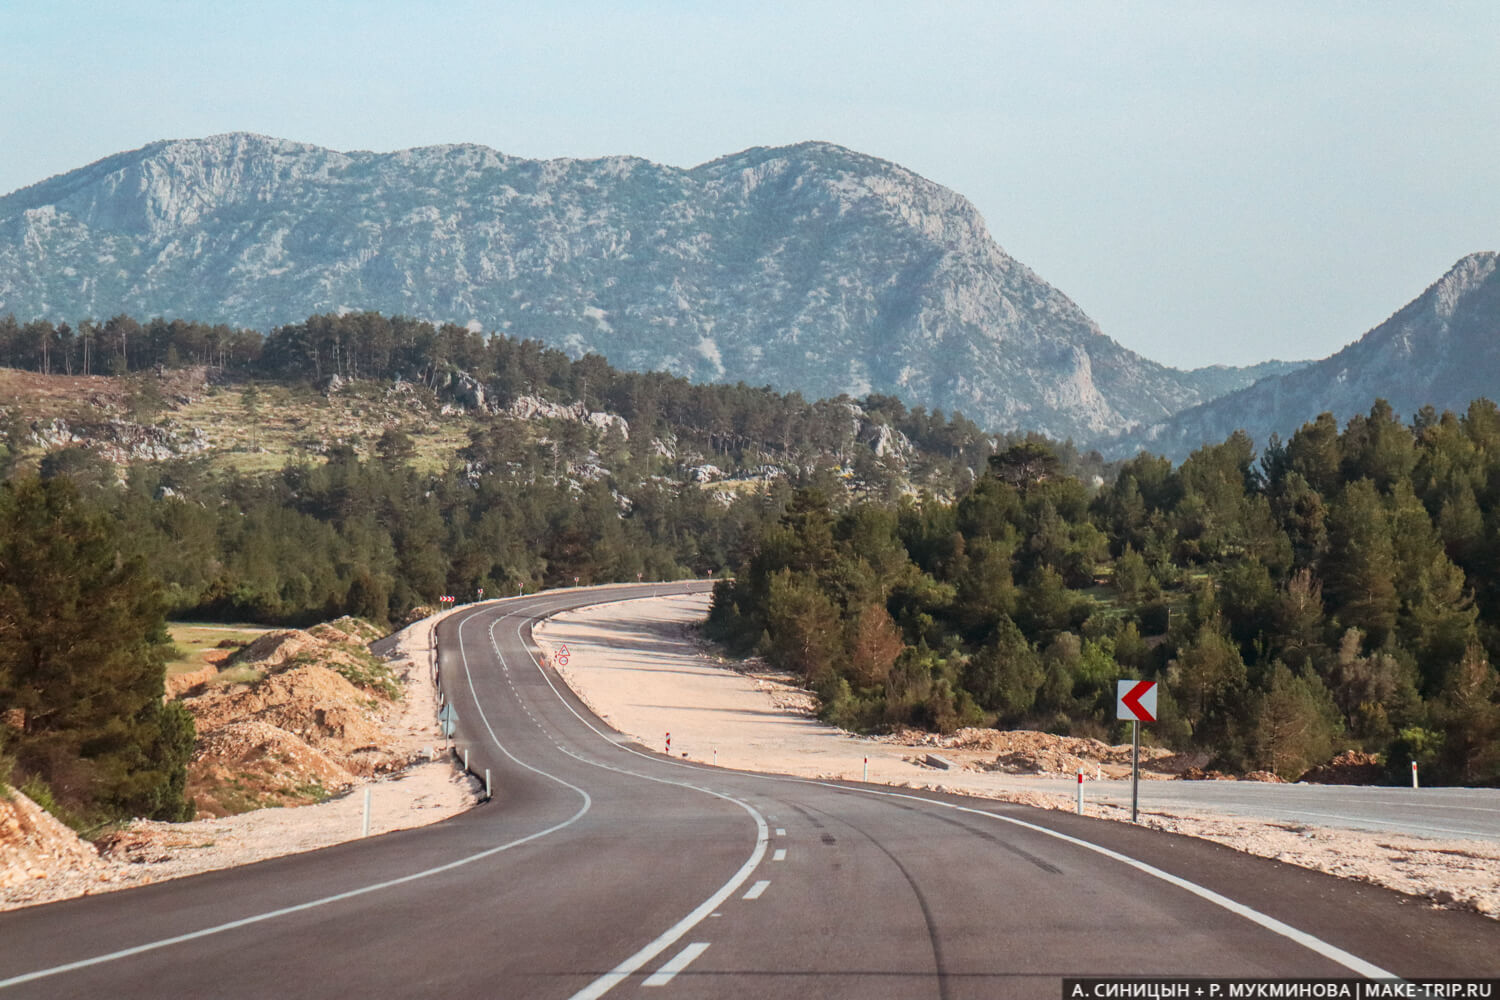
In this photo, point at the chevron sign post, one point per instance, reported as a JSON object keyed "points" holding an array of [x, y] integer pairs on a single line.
{"points": [[1136, 701]]}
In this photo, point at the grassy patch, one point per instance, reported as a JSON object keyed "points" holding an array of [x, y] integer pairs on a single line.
{"points": [[294, 423], [195, 639], [243, 674]]}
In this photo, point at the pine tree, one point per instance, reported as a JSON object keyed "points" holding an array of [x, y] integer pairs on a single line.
{"points": [[81, 658], [1295, 723], [1360, 568]]}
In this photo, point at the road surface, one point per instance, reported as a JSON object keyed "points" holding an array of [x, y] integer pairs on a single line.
{"points": [[606, 869], [1435, 812]]}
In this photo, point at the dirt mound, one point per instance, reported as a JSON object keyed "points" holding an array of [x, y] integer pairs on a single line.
{"points": [[1026, 751], [309, 701], [313, 724], [1349, 768], [254, 764], [34, 845], [276, 649], [346, 630]]}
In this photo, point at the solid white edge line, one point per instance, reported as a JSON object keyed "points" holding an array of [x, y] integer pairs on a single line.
{"points": [[1331, 952], [1315, 944], [680, 961], [140, 949], [756, 889]]}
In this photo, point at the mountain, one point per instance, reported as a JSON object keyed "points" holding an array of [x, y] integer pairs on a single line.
{"points": [[807, 267], [1441, 349]]}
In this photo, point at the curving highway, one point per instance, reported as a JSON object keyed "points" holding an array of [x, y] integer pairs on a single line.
{"points": [[602, 868]]}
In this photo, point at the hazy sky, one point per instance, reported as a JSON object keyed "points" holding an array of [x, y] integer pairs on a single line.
{"points": [[1210, 182]]}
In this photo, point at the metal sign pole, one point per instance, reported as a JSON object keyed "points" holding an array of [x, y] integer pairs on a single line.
{"points": [[1135, 767]]}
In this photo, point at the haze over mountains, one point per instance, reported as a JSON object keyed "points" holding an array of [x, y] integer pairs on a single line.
{"points": [[809, 267], [1442, 349]]}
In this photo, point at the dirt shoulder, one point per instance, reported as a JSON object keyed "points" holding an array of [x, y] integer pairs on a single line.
{"points": [[297, 732], [639, 666]]}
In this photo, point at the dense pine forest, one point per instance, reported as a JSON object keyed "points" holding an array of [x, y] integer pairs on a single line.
{"points": [[1337, 590]]}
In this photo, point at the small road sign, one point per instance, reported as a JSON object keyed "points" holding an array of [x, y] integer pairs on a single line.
{"points": [[1135, 700]]}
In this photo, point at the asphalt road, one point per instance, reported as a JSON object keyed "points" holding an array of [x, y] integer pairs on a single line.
{"points": [[602, 868], [1445, 812]]}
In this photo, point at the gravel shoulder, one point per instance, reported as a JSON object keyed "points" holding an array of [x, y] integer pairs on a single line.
{"points": [[639, 666]]}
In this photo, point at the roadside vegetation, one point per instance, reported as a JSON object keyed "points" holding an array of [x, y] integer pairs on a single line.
{"points": [[1338, 592]]}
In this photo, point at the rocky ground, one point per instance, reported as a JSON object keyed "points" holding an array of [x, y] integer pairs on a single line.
{"points": [[311, 720]]}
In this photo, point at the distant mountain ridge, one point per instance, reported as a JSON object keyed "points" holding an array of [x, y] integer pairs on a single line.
{"points": [[1441, 349], [808, 267]]}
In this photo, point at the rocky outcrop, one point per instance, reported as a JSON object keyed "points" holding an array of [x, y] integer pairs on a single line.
{"points": [[1441, 349], [120, 441]]}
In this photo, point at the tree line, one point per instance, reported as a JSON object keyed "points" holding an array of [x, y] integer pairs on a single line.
{"points": [[1338, 591], [742, 423]]}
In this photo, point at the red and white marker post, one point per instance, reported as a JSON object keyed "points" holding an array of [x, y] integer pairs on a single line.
{"points": [[1136, 701], [1080, 789], [1414, 774], [669, 744]]}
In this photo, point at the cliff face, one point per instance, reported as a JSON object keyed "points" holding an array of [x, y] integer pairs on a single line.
{"points": [[1441, 349], [808, 267]]}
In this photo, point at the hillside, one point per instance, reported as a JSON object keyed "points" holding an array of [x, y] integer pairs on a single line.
{"points": [[1442, 349], [809, 267]]}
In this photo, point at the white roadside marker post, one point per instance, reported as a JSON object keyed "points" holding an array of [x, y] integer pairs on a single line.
{"points": [[867, 769], [488, 792], [1414, 774], [1080, 789], [364, 827]]}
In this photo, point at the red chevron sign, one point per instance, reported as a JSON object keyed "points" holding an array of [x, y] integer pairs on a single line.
{"points": [[1135, 700]]}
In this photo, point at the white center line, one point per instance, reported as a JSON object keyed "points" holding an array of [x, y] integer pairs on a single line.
{"points": [[756, 889], [664, 975], [780, 854]]}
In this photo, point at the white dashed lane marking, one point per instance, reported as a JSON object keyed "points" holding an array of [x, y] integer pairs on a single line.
{"points": [[780, 832], [780, 854], [757, 889], [663, 976]]}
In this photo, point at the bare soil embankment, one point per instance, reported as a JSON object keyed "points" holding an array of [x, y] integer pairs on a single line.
{"points": [[306, 719], [639, 666]]}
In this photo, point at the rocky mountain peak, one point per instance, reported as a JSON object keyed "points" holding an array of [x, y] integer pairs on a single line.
{"points": [[1441, 349], [1465, 278], [809, 267]]}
